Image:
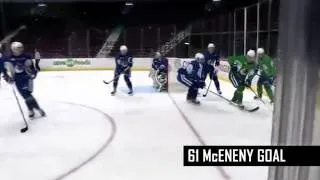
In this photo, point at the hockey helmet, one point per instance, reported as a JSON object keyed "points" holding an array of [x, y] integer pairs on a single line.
{"points": [[251, 55], [17, 48], [211, 47], [123, 49], [199, 57]]}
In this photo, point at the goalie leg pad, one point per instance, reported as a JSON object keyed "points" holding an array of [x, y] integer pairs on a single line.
{"points": [[161, 81]]}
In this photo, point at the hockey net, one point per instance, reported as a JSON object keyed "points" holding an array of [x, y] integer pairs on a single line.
{"points": [[173, 84]]}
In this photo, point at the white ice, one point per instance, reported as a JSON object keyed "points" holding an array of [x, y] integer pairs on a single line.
{"points": [[147, 138]]}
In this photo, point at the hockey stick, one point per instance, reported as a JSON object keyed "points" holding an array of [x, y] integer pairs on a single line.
{"points": [[108, 82], [26, 128], [255, 94], [244, 108], [204, 95], [269, 108]]}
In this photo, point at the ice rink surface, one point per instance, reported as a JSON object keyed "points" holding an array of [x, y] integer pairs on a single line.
{"points": [[90, 135]]}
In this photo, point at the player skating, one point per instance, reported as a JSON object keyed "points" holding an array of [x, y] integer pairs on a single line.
{"points": [[191, 75], [19, 69], [123, 66], [241, 74], [212, 62], [268, 72], [159, 72]]}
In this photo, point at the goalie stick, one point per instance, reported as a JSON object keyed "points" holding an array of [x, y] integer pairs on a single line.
{"points": [[244, 108], [108, 82], [26, 128]]}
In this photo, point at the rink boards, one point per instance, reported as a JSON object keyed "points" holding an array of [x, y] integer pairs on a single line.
{"points": [[140, 64]]}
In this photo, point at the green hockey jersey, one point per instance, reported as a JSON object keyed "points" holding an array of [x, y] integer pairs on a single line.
{"points": [[244, 68], [266, 66]]}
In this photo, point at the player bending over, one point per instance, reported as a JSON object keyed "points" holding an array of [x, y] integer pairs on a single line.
{"points": [[213, 61], [159, 72], [19, 69], [191, 75], [268, 72], [123, 66], [241, 74]]}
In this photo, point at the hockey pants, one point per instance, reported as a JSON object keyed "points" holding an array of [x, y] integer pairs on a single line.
{"points": [[193, 87], [25, 89], [127, 75], [266, 82], [239, 83], [214, 76]]}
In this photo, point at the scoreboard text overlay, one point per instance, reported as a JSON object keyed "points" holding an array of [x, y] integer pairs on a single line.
{"points": [[251, 155]]}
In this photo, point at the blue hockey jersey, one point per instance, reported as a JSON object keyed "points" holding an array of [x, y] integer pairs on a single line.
{"points": [[193, 70], [22, 65], [212, 58], [123, 61], [160, 64]]}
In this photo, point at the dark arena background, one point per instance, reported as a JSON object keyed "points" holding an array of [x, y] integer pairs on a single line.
{"points": [[88, 134]]}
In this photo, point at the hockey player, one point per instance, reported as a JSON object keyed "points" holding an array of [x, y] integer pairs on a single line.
{"points": [[267, 74], [19, 69], [241, 74], [213, 61], [192, 76], [123, 66], [159, 72], [37, 58]]}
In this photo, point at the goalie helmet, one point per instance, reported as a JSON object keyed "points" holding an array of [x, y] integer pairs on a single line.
{"points": [[157, 55]]}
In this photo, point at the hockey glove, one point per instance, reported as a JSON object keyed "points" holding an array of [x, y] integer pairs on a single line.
{"points": [[162, 67], [234, 68], [248, 82], [268, 81]]}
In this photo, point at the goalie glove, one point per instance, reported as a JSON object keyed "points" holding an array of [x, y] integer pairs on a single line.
{"points": [[152, 73], [162, 67]]}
